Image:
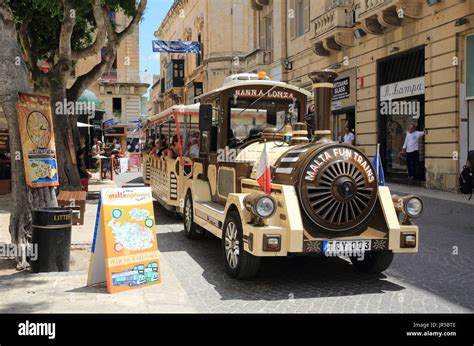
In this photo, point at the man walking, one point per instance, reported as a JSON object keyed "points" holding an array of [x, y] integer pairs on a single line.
{"points": [[410, 148]]}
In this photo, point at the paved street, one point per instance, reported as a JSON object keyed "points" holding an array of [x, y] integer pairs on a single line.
{"points": [[437, 279], [434, 280]]}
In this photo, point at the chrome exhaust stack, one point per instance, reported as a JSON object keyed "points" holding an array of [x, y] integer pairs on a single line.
{"points": [[323, 83]]}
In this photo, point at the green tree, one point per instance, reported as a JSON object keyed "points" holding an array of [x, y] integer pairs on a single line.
{"points": [[58, 32]]}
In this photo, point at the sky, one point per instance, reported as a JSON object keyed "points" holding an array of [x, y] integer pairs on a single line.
{"points": [[153, 17]]}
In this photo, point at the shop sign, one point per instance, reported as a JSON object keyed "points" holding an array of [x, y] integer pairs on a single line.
{"points": [[341, 89], [124, 248], [37, 140], [470, 67], [403, 89], [336, 105]]}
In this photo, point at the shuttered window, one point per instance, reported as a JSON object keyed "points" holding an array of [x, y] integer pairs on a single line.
{"points": [[266, 32], [261, 31], [299, 21]]}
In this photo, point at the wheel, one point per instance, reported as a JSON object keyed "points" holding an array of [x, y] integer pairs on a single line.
{"points": [[239, 263], [373, 262], [193, 231]]}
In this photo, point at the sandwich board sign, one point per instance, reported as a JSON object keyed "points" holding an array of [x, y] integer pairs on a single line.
{"points": [[124, 248]]}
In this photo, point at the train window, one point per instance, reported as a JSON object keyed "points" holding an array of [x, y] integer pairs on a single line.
{"points": [[248, 116]]}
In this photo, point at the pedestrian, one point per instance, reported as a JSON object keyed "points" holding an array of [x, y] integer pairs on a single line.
{"points": [[173, 151], [348, 137], [411, 149], [97, 148], [84, 174], [193, 147]]}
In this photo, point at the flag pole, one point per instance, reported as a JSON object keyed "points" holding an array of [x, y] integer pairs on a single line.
{"points": [[378, 159], [265, 175]]}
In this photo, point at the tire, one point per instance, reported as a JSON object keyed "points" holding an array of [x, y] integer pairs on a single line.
{"points": [[373, 262], [192, 230], [239, 263]]}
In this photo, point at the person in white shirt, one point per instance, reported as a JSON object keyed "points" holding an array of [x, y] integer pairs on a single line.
{"points": [[348, 136], [410, 148]]}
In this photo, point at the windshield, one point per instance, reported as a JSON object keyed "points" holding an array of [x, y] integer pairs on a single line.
{"points": [[248, 118]]}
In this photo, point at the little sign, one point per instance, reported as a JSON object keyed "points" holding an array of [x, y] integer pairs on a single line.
{"points": [[341, 89], [124, 248]]}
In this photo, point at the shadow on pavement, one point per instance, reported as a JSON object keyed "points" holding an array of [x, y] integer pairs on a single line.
{"points": [[15, 308], [310, 277], [101, 288], [444, 262]]}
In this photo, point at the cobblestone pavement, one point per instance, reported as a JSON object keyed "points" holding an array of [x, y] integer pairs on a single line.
{"points": [[440, 278]]}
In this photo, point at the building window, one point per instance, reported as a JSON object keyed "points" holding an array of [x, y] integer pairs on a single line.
{"points": [[175, 74], [299, 24], [199, 57], [269, 32], [266, 32], [117, 106]]}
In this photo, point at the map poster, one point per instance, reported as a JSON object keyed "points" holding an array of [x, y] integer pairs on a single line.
{"points": [[37, 140], [124, 248]]}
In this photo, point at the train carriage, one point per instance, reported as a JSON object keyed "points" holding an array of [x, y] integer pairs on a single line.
{"points": [[324, 197]]}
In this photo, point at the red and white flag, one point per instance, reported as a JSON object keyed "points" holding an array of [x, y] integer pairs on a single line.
{"points": [[263, 171]]}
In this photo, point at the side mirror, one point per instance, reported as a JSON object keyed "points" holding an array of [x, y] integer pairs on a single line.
{"points": [[205, 118]]}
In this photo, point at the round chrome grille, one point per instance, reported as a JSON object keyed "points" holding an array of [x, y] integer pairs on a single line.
{"points": [[338, 193]]}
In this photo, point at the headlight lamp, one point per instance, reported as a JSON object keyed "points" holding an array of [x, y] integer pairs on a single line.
{"points": [[262, 206]]}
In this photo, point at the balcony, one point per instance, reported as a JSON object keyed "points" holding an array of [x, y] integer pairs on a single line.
{"points": [[257, 5], [120, 76], [376, 15], [259, 58], [333, 29]]}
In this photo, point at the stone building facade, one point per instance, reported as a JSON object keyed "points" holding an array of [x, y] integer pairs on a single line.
{"points": [[400, 62], [119, 89], [223, 29]]}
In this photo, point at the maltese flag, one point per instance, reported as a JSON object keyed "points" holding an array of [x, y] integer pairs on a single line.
{"points": [[263, 171]]}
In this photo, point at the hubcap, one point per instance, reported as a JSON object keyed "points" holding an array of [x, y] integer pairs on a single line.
{"points": [[188, 215], [232, 250]]}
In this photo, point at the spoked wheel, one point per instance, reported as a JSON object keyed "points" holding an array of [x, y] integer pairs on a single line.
{"points": [[239, 263], [193, 231], [373, 262]]}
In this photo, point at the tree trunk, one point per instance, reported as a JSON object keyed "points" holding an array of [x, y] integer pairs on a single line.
{"points": [[69, 179], [14, 79]]}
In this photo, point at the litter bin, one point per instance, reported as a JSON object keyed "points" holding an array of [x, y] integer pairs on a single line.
{"points": [[52, 234]]}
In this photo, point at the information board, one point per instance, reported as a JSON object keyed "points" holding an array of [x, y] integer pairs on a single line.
{"points": [[37, 140], [124, 248]]}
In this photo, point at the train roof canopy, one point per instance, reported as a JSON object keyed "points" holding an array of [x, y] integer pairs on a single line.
{"points": [[249, 79]]}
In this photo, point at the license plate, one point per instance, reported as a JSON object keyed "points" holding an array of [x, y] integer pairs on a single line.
{"points": [[346, 246]]}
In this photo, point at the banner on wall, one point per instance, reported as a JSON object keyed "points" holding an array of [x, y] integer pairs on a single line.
{"points": [[177, 46], [124, 247], [37, 140]]}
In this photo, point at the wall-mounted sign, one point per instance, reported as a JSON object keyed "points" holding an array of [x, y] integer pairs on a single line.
{"points": [[341, 89], [124, 248], [37, 140], [403, 89], [177, 46], [470, 67]]}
